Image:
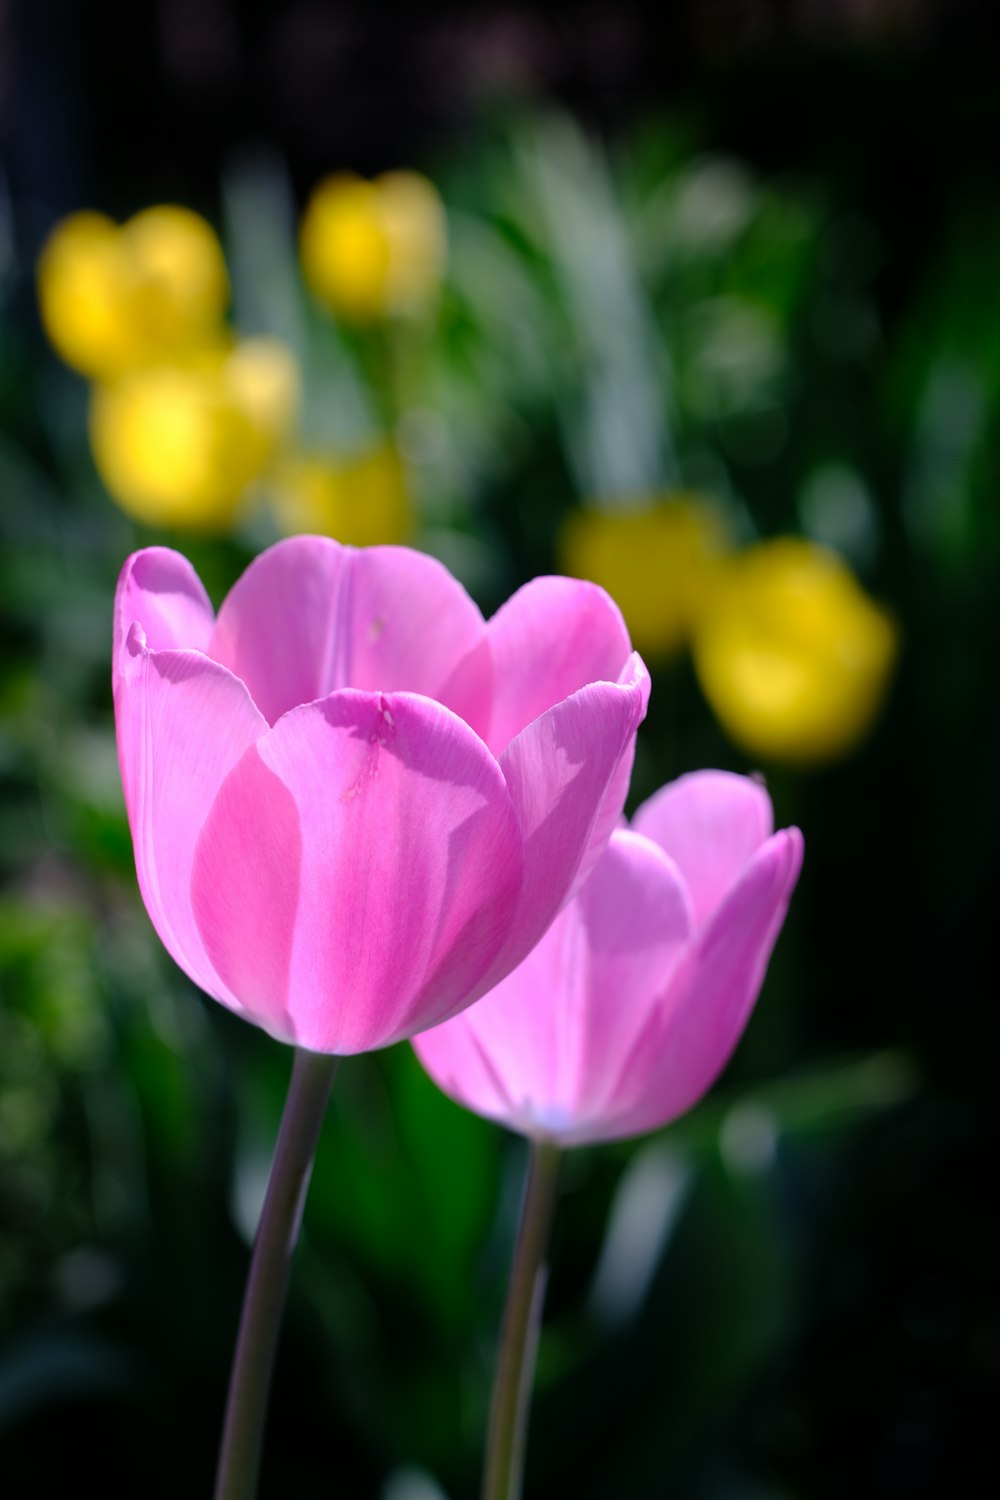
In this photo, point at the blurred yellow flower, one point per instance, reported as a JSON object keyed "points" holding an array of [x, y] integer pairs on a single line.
{"points": [[112, 298], [362, 501], [656, 561], [793, 656], [372, 249], [179, 445]]}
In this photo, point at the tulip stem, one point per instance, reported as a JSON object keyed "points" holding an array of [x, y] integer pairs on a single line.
{"points": [[267, 1283], [503, 1470]]}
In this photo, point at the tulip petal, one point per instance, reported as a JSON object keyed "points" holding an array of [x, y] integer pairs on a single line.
{"points": [[182, 723], [711, 823], [280, 626], [635, 918], [551, 638], [709, 1000], [310, 616], [609, 816], [564, 773], [542, 1052], [160, 591], [411, 622], [358, 871]]}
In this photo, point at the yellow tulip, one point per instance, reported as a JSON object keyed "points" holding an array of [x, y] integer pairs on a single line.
{"points": [[180, 445], [362, 501], [113, 298], [656, 561], [793, 656], [263, 379], [374, 249]]}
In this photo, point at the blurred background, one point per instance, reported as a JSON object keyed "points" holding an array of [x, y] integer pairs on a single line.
{"points": [[706, 310]]}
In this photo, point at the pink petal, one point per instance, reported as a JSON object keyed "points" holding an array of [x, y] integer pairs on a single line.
{"points": [[609, 815], [310, 616], [281, 627], [565, 778], [711, 823], [358, 871], [551, 638], [468, 690], [708, 1002], [182, 722], [411, 622], [542, 1052], [635, 918], [161, 592]]}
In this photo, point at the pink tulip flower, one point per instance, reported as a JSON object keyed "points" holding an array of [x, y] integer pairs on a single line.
{"points": [[629, 1007], [355, 804]]}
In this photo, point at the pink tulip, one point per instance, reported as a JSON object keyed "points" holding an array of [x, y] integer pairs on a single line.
{"points": [[629, 1007], [356, 805]]}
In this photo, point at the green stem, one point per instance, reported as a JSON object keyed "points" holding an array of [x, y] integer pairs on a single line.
{"points": [[521, 1322], [264, 1299]]}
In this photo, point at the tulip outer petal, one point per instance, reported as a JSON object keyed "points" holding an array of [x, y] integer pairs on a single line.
{"points": [[564, 773], [182, 722], [359, 871], [711, 823], [708, 1000], [160, 591], [551, 638]]}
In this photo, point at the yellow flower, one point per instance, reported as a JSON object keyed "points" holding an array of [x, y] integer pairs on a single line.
{"points": [[113, 298], [792, 655], [372, 249], [179, 445], [656, 561], [362, 501]]}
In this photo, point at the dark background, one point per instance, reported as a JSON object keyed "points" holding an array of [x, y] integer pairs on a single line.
{"points": [[823, 1318]]}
